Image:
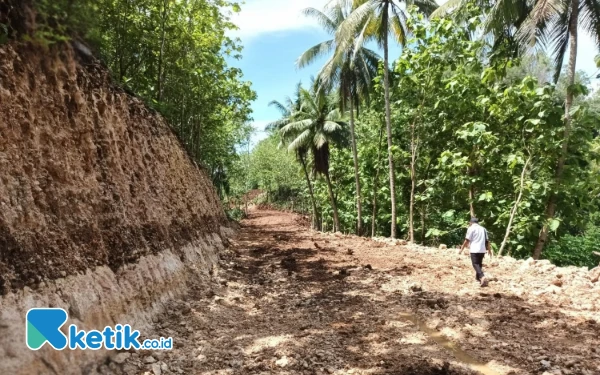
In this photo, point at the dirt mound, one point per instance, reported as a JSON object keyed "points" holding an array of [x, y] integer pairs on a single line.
{"points": [[89, 176]]}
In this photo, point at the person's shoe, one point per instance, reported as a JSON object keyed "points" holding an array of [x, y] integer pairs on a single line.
{"points": [[484, 282]]}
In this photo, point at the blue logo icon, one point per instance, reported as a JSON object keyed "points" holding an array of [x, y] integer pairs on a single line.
{"points": [[43, 325]]}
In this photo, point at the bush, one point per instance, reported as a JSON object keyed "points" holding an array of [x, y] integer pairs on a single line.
{"points": [[575, 250], [235, 214]]}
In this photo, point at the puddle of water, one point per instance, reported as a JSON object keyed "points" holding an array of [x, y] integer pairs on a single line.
{"points": [[441, 340]]}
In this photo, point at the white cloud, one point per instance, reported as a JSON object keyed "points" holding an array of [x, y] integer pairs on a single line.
{"points": [[267, 16]]}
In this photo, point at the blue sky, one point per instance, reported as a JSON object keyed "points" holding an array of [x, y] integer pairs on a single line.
{"points": [[275, 33]]}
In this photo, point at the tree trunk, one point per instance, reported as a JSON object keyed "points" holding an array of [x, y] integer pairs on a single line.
{"points": [[159, 82], [515, 207], [375, 183], [388, 124], [423, 217], [356, 175], [470, 174], [315, 219], [413, 172], [471, 199], [560, 167], [424, 205], [336, 219], [414, 145]]}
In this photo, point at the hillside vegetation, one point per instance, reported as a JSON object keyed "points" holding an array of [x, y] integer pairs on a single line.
{"points": [[477, 126]]}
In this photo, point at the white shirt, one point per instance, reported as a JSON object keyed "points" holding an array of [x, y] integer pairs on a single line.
{"points": [[477, 236]]}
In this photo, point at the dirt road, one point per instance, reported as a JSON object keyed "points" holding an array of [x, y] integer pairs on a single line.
{"points": [[292, 301]]}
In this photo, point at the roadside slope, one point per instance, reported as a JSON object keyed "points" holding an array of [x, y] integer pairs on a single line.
{"points": [[102, 212]]}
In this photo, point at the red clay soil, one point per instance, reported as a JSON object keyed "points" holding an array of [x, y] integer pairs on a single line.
{"points": [[292, 301]]}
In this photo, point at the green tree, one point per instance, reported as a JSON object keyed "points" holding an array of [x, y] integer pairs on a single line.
{"points": [[350, 71], [554, 25], [315, 126], [288, 111], [376, 20], [173, 55]]}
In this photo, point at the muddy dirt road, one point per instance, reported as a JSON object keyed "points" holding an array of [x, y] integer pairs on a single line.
{"points": [[292, 301]]}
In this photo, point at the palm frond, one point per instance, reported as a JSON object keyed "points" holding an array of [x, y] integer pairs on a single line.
{"points": [[301, 141], [505, 13], [275, 125], [280, 107], [359, 38], [559, 38], [534, 29], [329, 74], [314, 53], [321, 18], [346, 32], [338, 10], [334, 115], [427, 7], [366, 68], [398, 27], [590, 19], [309, 104], [447, 8], [295, 127], [332, 127], [372, 58]]}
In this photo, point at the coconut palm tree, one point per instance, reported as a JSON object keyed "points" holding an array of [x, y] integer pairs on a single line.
{"points": [[315, 126], [350, 71], [553, 25], [287, 110], [377, 20]]}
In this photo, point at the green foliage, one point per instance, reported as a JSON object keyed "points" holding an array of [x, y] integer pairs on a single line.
{"points": [[476, 130], [59, 20], [235, 214], [576, 250], [173, 55], [472, 129], [272, 168]]}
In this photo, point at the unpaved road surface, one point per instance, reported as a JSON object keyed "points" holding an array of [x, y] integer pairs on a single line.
{"points": [[292, 301]]}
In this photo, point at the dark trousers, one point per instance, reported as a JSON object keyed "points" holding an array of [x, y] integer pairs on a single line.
{"points": [[477, 260]]}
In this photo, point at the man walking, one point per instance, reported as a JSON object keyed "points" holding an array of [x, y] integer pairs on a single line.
{"points": [[477, 240]]}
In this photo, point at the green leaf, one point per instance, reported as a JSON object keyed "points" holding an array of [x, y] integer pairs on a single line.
{"points": [[574, 110]]}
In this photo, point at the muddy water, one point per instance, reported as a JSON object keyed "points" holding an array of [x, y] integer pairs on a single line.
{"points": [[460, 355]]}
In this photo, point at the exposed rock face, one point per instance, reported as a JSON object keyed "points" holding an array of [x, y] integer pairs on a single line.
{"points": [[102, 212]]}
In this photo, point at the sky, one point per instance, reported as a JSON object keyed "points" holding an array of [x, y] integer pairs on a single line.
{"points": [[274, 34]]}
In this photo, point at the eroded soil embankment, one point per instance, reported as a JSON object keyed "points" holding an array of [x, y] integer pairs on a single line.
{"points": [[88, 175], [293, 301], [102, 212]]}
